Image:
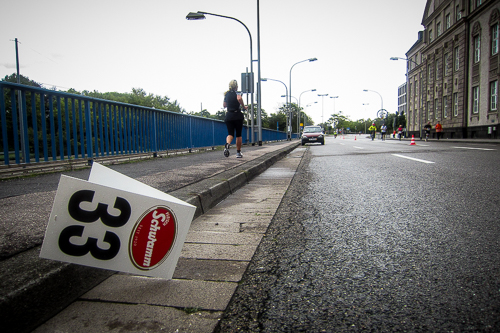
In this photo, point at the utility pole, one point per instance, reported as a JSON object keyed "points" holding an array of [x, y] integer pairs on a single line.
{"points": [[19, 102], [259, 92]]}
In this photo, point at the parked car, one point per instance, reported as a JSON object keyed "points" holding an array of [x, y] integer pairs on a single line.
{"points": [[313, 134]]}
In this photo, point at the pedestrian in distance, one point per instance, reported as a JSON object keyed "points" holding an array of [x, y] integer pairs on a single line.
{"points": [[234, 118], [400, 132], [439, 129], [372, 130], [427, 129], [383, 129]]}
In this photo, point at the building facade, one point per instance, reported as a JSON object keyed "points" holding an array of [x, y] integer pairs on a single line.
{"points": [[453, 69], [402, 98]]}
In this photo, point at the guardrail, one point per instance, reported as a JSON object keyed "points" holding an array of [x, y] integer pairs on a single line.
{"points": [[57, 126]]}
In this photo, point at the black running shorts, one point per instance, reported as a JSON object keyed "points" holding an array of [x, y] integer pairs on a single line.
{"points": [[234, 125]]}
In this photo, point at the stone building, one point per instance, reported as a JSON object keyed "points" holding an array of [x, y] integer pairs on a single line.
{"points": [[453, 69]]}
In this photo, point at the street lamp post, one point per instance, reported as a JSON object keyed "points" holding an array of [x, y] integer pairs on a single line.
{"points": [[407, 86], [334, 97], [381, 99], [286, 91], [365, 112], [298, 116], [201, 16], [322, 104], [308, 105], [290, 85]]}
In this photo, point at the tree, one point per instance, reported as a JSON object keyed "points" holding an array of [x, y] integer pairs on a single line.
{"points": [[202, 113], [338, 120], [137, 97], [24, 80]]}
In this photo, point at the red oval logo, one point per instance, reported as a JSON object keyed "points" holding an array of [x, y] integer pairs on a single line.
{"points": [[152, 238]]}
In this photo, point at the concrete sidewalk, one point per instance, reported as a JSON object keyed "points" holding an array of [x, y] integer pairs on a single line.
{"points": [[234, 208]]}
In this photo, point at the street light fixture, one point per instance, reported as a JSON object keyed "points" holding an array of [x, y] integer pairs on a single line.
{"points": [[407, 85], [201, 16], [381, 99], [334, 97], [286, 91], [290, 85], [299, 112], [308, 105], [322, 104]]}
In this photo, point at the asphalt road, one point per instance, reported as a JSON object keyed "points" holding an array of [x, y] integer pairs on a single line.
{"points": [[380, 236]]}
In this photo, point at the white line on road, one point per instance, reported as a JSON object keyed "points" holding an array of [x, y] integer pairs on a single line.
{"points": [[474, 148], [358, 147], [413, 159]]}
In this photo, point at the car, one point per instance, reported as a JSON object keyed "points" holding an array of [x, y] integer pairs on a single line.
{"points": [[313, 134]]}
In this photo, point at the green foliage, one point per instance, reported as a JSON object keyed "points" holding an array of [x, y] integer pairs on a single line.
{"points": [[24, 80], [342, 121], [281, 117], [137, 97]]}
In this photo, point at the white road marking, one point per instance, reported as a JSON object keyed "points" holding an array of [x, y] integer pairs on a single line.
{"points": [[358, 147], [474, 148], [413, 159]]}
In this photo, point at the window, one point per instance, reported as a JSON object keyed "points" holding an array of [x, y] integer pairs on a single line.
{"points": [[455, 104], [437, 70], [475, 100], [445, 107], [431, 36], [439, 30], [478, 3], [429, 73], [459, 13], [448, 21], [428, 110], [457, 59], [493, 95], [494, 39], [477, 48], [436, 109]]}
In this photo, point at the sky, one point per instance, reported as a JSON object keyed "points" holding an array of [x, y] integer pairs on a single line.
{"points": [[117, 45]]}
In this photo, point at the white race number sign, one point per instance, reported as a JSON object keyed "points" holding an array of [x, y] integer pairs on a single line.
{"points": [[115, 222]]}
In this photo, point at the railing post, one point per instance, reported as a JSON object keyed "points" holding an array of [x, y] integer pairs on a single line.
{"points": [[35, 127], [52, 127], [60, 129], [190, 134], [68, 132], [25, 140], [88, 130], [155, 130], [3, 118], [15, 124]]}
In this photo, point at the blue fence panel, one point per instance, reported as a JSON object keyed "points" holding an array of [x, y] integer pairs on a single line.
{"points": [[66, 126]]}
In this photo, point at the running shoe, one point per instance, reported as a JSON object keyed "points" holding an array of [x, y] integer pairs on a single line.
{"points": [[238, 155], [226, 150]]}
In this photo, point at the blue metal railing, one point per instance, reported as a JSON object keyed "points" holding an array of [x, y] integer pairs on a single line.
{"points": [[56, 126]]}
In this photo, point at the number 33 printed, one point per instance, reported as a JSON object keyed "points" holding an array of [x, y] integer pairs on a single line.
{"points": [[85, 216]]}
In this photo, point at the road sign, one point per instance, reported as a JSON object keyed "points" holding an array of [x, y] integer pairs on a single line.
{"points": [[247, 83], [382, 113]]}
